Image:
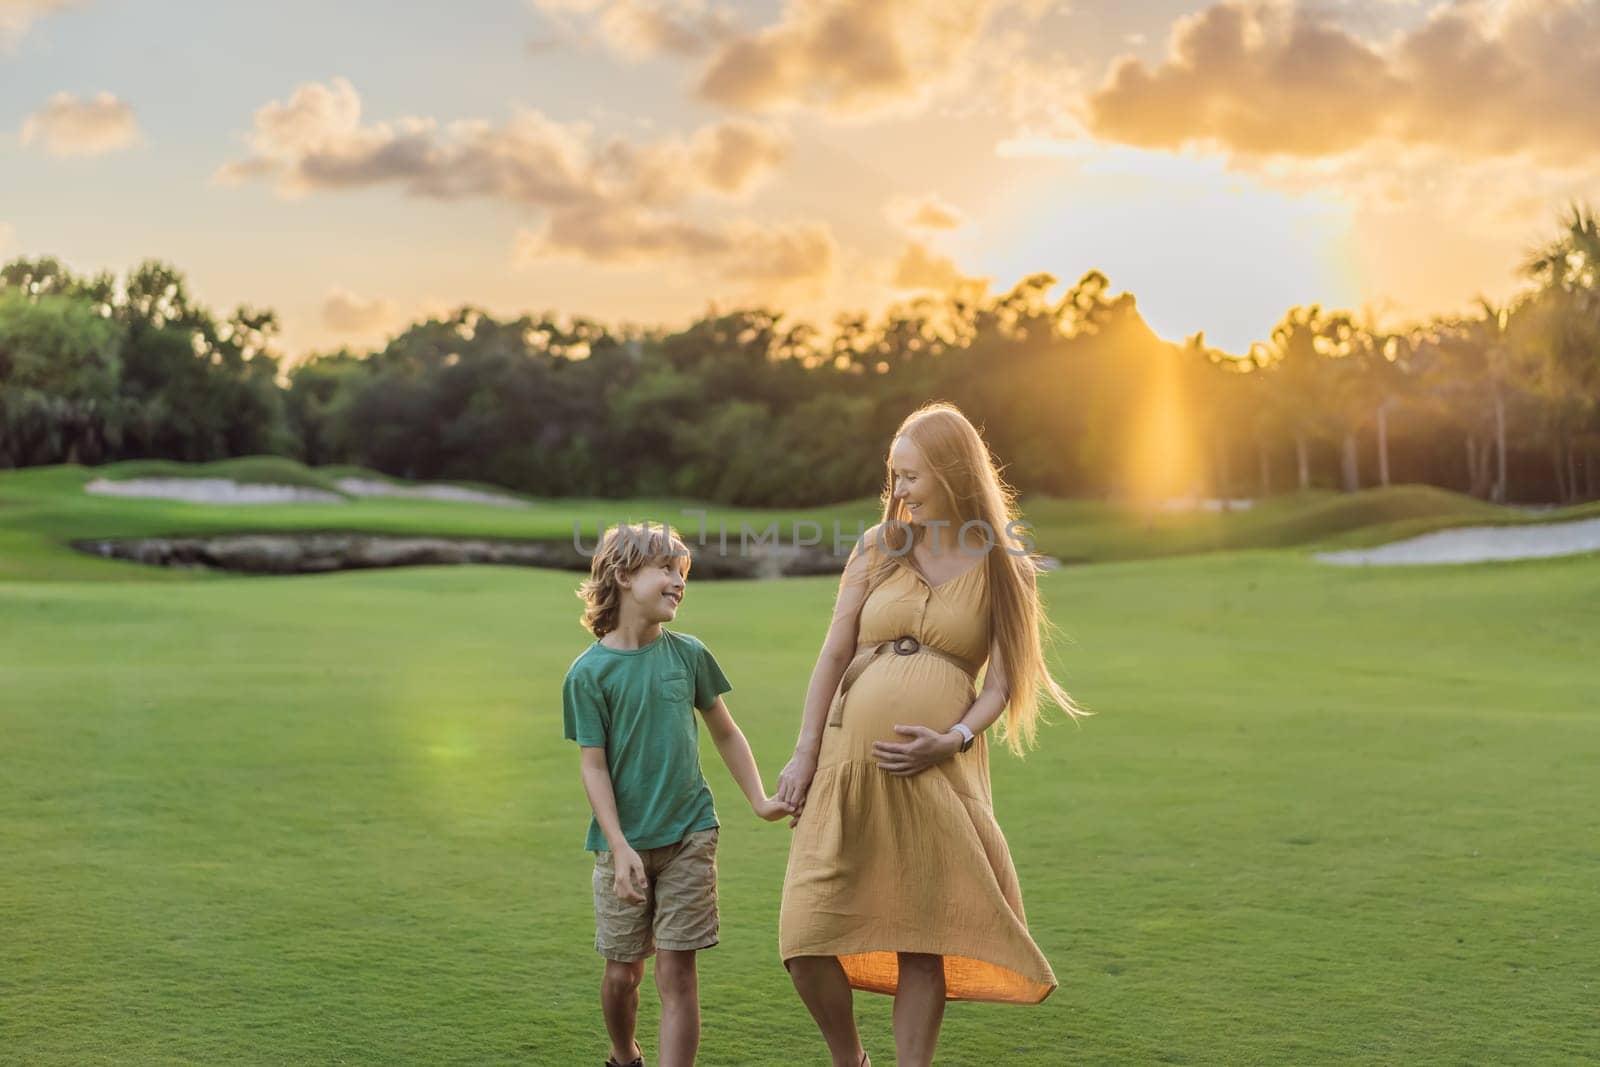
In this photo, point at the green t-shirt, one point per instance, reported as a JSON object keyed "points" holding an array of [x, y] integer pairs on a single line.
{"points": [[638, 704]]}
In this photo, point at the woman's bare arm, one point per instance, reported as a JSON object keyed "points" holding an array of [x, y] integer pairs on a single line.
{"points": [[992, 697], [838, 648]]}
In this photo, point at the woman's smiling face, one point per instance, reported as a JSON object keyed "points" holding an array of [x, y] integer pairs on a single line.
{"points": [[914, 483]]}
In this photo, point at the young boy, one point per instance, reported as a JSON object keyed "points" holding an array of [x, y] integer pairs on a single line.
{"points": [[629, 702]]}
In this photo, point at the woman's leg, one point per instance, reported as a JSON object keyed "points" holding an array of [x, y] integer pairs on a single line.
{"points": [[619, 1003], [678, 985], [822, 985], [918, 1008]]}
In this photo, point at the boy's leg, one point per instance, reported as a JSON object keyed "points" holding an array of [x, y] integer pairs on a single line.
{"points": [[678, 985], [619, 1002], [686, 921], [623, 937]]}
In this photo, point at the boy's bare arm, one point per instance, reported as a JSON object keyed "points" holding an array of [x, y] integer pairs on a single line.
{"points": [[597, 783], [741, 762], [630, 879]]}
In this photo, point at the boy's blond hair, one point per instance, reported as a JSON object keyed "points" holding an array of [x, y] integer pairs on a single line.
{"points": [[623, 550]]}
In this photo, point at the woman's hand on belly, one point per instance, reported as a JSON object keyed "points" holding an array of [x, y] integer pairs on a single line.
{"points": [[924, 748]]}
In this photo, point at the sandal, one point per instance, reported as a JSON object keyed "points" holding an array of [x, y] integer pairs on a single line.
{"points": [[637, 1061]]}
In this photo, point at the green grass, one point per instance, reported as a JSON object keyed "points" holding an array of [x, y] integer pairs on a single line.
{"points": [[42, 509], [1323, 816]]}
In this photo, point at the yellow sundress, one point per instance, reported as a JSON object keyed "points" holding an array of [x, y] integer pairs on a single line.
{"points": [[879, 863]]}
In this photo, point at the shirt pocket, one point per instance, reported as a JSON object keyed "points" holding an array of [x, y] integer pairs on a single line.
{"points": [[677, 689]]}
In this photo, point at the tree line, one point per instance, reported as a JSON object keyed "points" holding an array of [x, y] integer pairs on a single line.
{"points": [[1078, 397]]}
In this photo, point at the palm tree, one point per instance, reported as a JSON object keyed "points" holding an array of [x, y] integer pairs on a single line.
{"points": [[1266, 416], [1346, 395], [1571, 262], [1298, 375], [1567, 271], [1490, 333], [1383, 359]]}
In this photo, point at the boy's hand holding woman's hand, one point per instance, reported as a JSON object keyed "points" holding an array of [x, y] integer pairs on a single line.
{"points": [[787, 800], [771, 809]]}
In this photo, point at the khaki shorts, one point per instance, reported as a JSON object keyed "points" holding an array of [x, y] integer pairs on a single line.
{"points": [[680, 906]]}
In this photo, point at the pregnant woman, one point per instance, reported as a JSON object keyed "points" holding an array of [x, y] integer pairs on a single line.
{"points": [[899, 879]]}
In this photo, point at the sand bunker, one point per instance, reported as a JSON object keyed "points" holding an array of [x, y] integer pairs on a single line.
{"points": [[1478, 544], [211, 491], [1210, 503], [228, 491], [369, 487]]}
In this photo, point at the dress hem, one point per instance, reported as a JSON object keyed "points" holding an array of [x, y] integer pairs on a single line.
{"points": [[1047, 987]]}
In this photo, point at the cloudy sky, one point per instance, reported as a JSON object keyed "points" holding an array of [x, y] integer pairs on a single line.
{"points": [[360, 164]]}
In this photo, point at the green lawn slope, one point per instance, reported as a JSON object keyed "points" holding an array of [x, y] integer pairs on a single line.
{"points": [[43, 509]]}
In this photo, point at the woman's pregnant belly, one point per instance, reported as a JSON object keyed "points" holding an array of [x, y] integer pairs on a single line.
{"points": [[915, 690]]}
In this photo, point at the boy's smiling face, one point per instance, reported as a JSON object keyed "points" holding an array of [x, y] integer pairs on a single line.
{"points": [[654, 591]]}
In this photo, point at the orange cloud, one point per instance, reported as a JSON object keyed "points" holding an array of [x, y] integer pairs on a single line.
{"points": [[68, 126], [608, 202], [1260, 78], [344, 312], [18, 16], [733, 156], [846, 58], [739, 251], [926, 212], [318, 141], [919, 267], [639, 29]]}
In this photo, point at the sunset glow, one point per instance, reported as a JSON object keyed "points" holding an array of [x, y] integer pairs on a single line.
{"points": [[638, 163]]}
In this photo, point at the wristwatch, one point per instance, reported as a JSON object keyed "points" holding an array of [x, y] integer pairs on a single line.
{"points": [[966, 734]]}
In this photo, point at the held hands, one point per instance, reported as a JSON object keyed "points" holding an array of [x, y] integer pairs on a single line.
{"points": [[631, 881], [771, 809], [793, 784], [926, 747]]}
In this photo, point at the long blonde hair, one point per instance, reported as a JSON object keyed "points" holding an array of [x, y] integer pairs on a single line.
{"points": [[961, 463]]}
